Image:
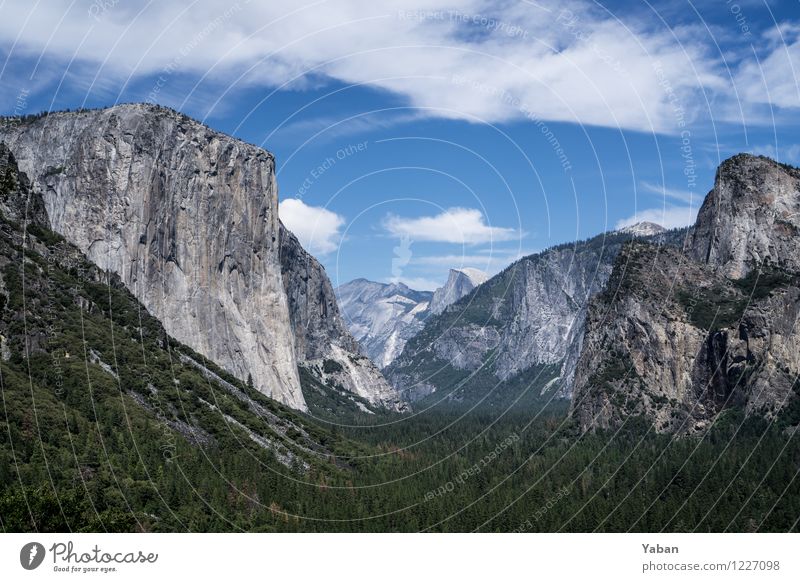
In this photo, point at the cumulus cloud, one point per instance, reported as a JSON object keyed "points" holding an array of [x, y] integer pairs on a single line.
{"points": [[318, 229], [479, 60], [454, 225], [775, 77]]}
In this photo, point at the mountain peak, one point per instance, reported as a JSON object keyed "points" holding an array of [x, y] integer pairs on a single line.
{"points": [[460, 282], [643, 228], [751, 216], [475, 275]]}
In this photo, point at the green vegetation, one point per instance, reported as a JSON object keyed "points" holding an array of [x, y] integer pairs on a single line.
{"points": [[331, 366], [722, 306]]}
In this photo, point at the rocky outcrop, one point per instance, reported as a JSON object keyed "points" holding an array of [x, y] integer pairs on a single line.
{"points": [[750, 217], [322, 340], [188, 219], [459, 283], [674, 341], [18, 202], [382, 316], [677, 338]]}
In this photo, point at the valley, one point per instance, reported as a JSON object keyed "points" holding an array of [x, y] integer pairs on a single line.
{"points": [[170, 363]]}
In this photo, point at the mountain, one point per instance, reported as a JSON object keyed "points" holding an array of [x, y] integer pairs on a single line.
{"points": [[518, 332], [126, 420], [681, 337], [459, 283], [188, 219], [643, 229], [109, 424], [382, 316]]}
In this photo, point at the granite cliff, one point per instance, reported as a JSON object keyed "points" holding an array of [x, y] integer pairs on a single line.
{"points": [[751, 217], [384, 316], [187, 217], [459, 283], [679, 337], [323, 344]]}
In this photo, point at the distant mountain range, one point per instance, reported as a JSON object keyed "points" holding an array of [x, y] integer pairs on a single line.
{"points": [[519, 332], [384, 316]]}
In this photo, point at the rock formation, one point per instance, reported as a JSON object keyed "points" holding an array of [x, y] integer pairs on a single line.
{"points": [[679, 337], [383, 316], [459, 283], [322, 340], [751, 216], [188, 219], [529, 315]]}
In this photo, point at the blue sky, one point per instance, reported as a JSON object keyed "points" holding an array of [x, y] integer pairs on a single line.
{"points": [[416, 136]]}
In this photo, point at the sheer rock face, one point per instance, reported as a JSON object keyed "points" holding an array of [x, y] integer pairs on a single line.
{"points": [[18, 202], [188, 218], [676, 342], [751, 216], [383, 316], [459, 283], [321, 334]]}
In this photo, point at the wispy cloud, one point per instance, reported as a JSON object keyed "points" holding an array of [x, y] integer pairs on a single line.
{"points": [[325, 128], [784, 154], [554, 61], [680, 196], [454, 225], [773, 78], [677, 208]]}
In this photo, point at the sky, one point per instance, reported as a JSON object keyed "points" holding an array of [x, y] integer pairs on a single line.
{"points": [[416, 136]]}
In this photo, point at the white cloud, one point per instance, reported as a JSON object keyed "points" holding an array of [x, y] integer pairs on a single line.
{"points": [[488, 260], [681, 196], [668, 217], [678, 208], [479, 60], [786, 155], [454, 225], [318, 229], [775, 77]]}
